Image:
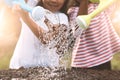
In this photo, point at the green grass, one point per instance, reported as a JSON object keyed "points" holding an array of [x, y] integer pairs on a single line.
{"points": [[5, 55], [5, 58], [4, 61], [116, 62]]}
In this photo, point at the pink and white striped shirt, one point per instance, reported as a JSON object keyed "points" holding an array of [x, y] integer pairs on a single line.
{"points": [[97, 44]]}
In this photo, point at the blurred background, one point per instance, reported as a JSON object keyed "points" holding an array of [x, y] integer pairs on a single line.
{"points": [[10, 28]]}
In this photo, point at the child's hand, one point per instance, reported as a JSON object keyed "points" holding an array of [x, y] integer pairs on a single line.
{"points": [[79, 1], [23, 5], [20, 12]]}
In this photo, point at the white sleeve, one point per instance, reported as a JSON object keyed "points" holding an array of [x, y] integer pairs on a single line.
{"points": [[32, 3], [38, 13]]}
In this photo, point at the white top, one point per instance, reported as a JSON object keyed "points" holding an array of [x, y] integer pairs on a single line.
{"points": [[29, 51]]}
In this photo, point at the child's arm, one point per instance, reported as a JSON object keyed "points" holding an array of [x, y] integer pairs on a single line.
{"points": [[83, 8], [36, 29], [27, 19]]}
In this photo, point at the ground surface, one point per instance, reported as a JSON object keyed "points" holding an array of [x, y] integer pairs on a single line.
{"points": [[58, 74]]}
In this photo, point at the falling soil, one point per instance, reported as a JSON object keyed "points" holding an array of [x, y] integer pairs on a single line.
{"points": [[46, 73]]}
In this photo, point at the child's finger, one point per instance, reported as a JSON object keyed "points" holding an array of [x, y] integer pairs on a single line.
{"points": [[16, 9]]}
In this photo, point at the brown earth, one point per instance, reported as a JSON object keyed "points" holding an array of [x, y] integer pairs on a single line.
{"points": [[42, 73]]}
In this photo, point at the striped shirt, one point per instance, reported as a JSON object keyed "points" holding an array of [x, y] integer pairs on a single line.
{"points": [[97, 44]]}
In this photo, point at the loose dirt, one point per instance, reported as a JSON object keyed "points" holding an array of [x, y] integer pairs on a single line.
{"points": [[46, 73]]}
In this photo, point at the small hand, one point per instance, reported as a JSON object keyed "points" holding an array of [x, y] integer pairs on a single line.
{"points": [[20, 12], [79, 1], [23, 5]]}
